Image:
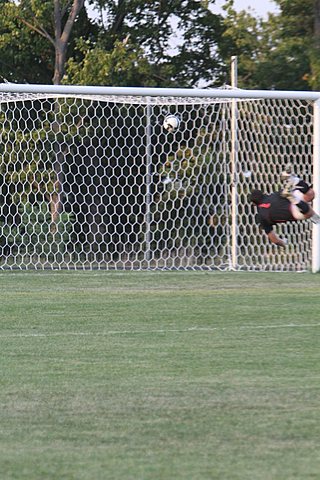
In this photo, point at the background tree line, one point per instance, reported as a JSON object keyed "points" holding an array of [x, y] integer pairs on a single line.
{"points": [[157, 43]]}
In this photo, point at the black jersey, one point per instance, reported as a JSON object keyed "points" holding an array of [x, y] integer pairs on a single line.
{"points": [[274, 209]]}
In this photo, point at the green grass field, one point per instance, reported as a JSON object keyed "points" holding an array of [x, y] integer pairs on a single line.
{"points": [[159, 376]]}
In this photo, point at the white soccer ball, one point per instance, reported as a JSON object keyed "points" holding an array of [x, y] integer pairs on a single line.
{"points": [[171, 123]]}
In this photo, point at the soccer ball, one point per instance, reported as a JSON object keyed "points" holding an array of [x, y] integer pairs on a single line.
{"points": [[171, 123]]}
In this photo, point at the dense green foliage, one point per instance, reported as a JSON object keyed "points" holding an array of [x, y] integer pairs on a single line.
{"points": [[134, 43], [131, 45], [275, 53], [27, 34]]}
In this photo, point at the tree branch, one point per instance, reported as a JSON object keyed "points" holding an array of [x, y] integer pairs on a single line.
{"points": [[39, 30], [75, 9], [65, 8], [119, 18]]}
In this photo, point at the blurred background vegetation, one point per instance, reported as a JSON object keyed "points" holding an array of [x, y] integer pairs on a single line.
{"points": [[156, 43]]}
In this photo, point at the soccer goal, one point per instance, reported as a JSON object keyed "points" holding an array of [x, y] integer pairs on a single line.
{"points": [[91, 178]]}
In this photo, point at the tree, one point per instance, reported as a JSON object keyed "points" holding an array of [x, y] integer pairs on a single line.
{"points": [[24, 55], [36, 38], [46, 28], [124, 65], [175, 44], [169, 43], [241, 37], [271, 53], [296, 38], [58, 33], [314, 49], [281, 52]]}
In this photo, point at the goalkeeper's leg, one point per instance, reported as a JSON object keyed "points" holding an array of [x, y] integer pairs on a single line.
{"points": [[294, 187]]}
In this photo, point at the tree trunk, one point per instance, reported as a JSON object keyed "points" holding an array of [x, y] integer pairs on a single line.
{"points": [[62, 36]]}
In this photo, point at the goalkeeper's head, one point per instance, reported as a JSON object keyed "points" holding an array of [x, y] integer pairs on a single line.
{"points": [[256, 197]]}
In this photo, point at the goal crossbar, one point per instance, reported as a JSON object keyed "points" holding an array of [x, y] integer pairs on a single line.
{"points": [[158, 92]]}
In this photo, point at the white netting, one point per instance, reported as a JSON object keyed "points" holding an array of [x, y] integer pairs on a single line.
{"points": [[96, 182]]}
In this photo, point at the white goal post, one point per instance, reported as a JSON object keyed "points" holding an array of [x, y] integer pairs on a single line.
{"points": [[90, 179]]}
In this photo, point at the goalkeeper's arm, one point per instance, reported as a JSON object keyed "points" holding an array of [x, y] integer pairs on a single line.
{"points": [[273, 237]]}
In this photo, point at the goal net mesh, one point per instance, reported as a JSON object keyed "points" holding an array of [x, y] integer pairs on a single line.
{"points": [[96, 182]]}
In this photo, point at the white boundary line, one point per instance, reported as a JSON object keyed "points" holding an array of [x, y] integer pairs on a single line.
{"points": [[156, 331]]}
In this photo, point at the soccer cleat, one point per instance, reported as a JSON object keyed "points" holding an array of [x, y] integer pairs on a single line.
{"points": [[286, 173], [290, 183]]}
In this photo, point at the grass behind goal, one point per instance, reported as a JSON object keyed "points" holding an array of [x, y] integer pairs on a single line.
{"points": [[159, 376]]}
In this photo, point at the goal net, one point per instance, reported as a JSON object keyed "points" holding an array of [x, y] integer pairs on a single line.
{"points": [[95, 181]]}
